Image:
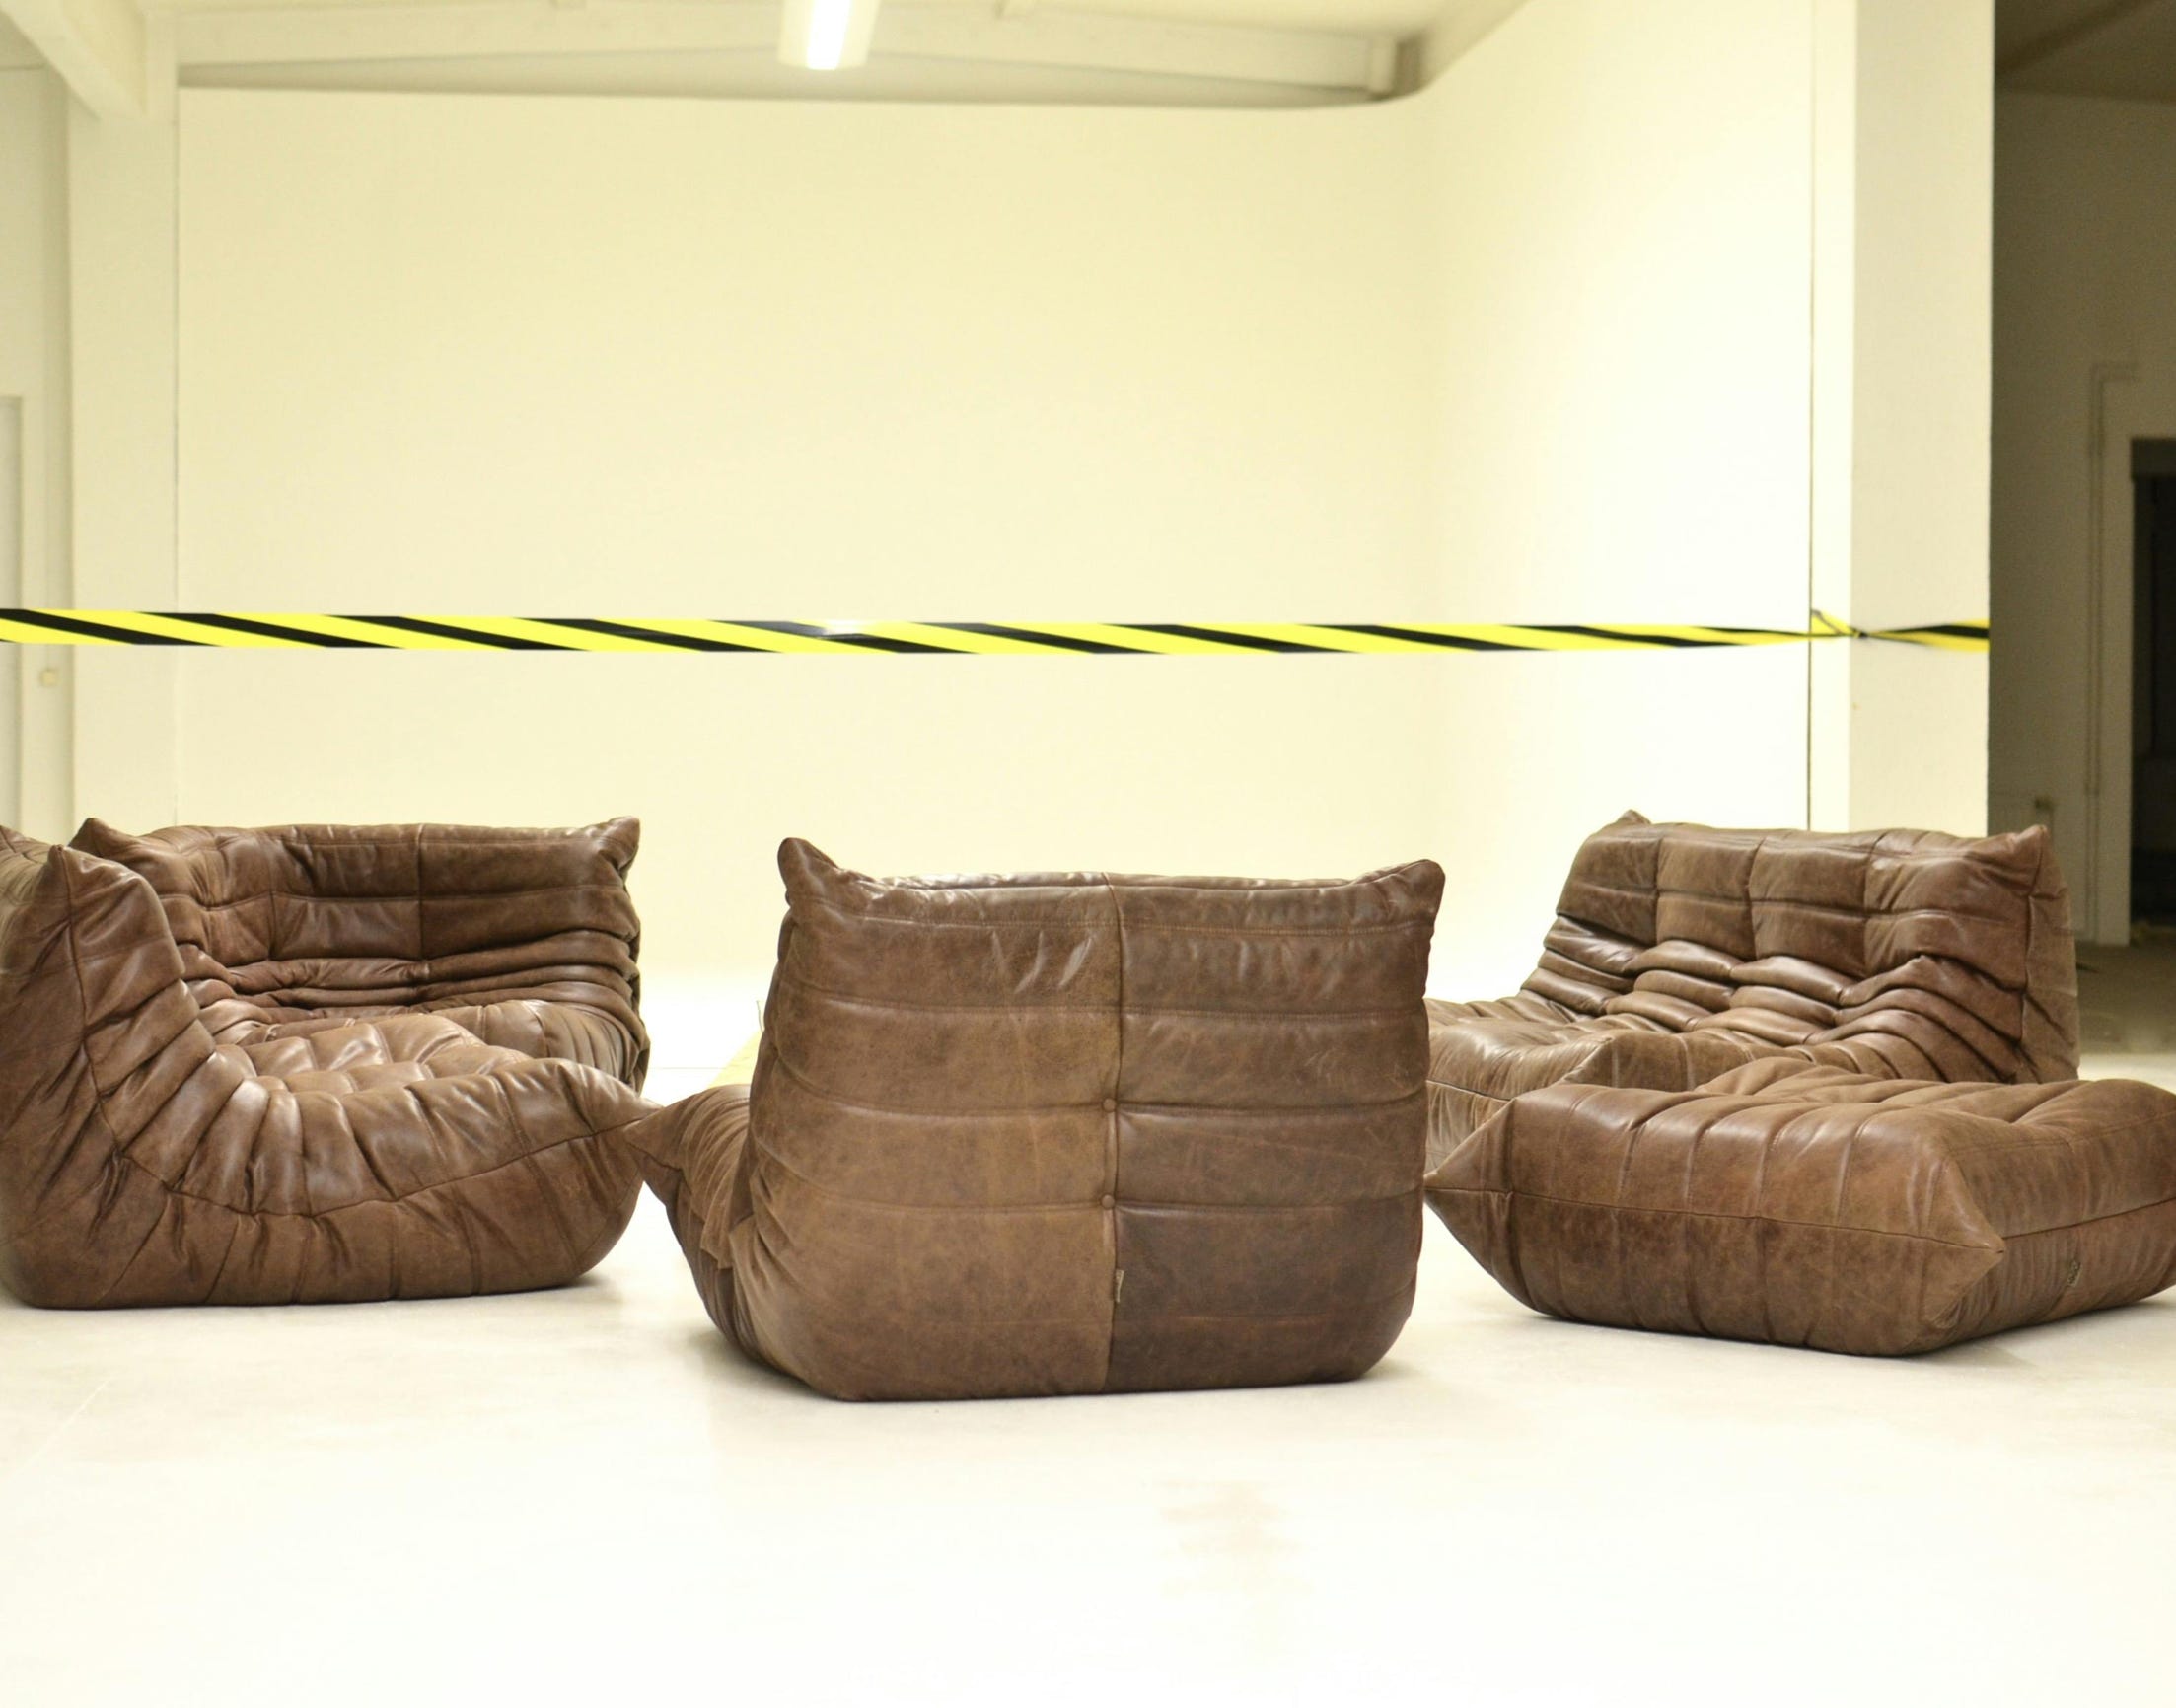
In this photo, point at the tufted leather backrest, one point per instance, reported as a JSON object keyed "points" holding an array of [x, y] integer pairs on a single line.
{"points": [[295, 922], [1069, 1131], [1932, 955]]}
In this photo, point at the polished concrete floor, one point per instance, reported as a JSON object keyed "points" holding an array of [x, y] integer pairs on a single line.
{"points": [[2127, 1009], [584, 1497]]}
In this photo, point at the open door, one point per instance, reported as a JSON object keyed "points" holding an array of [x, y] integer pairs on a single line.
{"points": [[2153, 684]]}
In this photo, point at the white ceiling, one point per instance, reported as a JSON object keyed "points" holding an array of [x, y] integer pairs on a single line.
{"points": [[1347, 17], [15, 52], [2119, 48], [1401, 18], [1194, 53], [1238, 52]]}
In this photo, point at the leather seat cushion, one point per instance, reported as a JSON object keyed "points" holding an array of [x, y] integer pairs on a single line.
{"points": [[1481, 1054], [1818, 1207], [530, 1027]]}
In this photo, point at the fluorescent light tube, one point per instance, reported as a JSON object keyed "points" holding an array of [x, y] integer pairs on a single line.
{"points": [[826, 35]]}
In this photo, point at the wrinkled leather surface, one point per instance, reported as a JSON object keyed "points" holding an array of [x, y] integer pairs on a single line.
{"points": [[1681, 951], [1812, 1206], [1067, 1133], [144, 1161], [526, 939]]}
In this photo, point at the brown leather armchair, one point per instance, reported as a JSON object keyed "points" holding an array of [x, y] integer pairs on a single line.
{"points": [[1681, 951], [1066, 1134], [263, 1090]]}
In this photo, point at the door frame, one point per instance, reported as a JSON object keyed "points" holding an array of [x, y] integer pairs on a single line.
{"points": [[2131, 434]]}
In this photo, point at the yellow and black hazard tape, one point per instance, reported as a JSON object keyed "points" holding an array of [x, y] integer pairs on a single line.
{"points": [[256, 629]]}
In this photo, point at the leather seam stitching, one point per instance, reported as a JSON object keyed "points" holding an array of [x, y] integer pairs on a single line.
{"points": [[1398, 1011], [1089, 925]]}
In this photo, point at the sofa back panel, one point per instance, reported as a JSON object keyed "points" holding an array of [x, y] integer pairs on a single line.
{"points": [[1962, 947], [1610, 890], [1245, 1060], [1043, 1155], [265, 931], [1704, 890], [965, 1057], [1266, 1156], [1266, 969], [1972, 908], [397, 917], [978, 1095]]}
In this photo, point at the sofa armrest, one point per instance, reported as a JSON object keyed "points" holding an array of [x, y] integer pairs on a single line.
{"points": [[542, 919]]}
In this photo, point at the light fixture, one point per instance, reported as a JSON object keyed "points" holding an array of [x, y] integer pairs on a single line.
{"points": [[826, 35]]}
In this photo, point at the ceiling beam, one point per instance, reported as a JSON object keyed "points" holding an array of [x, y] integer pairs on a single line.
{"points": [[1022, 36], [1099, 41], [485, 29], [100, 47], [1460, 28]]}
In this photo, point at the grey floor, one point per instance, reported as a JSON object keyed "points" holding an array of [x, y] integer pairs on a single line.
{"points": [[2127, 1009], [584, 1497]]}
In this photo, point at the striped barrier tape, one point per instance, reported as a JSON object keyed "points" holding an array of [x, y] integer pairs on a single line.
{"points": [[256, 629]]}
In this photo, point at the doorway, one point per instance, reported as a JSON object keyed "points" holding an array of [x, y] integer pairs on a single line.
{"points": [[2153, 683]]}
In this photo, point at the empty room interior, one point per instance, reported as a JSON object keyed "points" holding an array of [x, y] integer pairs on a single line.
{"points": [[981, 851]]}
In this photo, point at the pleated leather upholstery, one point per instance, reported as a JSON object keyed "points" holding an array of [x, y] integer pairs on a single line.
{"points": [[1681, 951], [526, 939], [1816, 1207], [145, 1162], [1067, 1133]]}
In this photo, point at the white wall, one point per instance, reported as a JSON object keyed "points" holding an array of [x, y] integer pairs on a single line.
{"points": [[568, 355], [543, 348], [1535, 344], [1902, 139], [2084, 362], [1618, 312], [1616, 319], [121, 342], [35, 682]]}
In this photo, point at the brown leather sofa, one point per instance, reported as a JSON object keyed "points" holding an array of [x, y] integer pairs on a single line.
{"points": [[1682, 952], [263, 1091], [1067, 1133], [1812, 1206]]}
